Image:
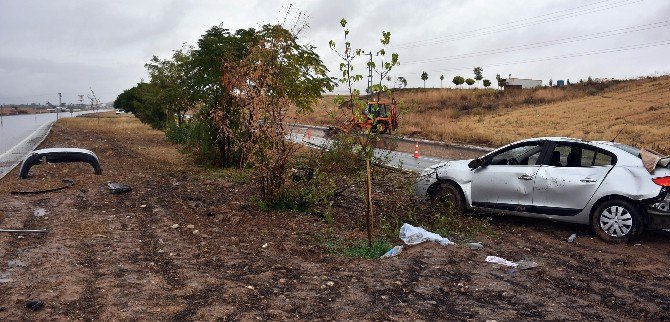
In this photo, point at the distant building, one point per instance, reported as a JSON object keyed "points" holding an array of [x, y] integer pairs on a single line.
{"points": [[518, 83], [560, 82]]}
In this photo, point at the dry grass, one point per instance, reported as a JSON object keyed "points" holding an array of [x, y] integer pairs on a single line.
{"points": [[489, 117]]}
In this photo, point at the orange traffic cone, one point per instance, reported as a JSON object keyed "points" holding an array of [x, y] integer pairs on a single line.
{"points": [[416, 150], [309, 133]]}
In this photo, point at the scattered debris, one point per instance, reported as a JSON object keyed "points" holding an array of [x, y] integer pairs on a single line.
{"points": [[59, 155], [522, 264], [3, 309], [175, 226], [190, 226], [40, 212], [395, 251], [475, 246], [195, 232], [330, 283], [572, 238], [415, 235], [3, 230], [34, 305], [117, 188], [526, 264], [501, 261], [5, 278], [265, 245], [66, 184]]}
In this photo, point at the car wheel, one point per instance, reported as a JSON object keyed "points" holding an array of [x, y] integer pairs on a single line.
{"points": [[449, 198], [617, 221]]}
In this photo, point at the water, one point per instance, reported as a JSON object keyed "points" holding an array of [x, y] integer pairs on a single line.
{"points": [[15, 128]]}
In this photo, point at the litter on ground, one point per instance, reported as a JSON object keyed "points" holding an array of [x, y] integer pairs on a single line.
{"points": [[415, 235], [117, 188], [501, 261], [395, 251]]}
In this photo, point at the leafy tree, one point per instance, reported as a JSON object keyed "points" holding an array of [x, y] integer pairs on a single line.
{"points": [[173, 79], [277, 73], [478, 74], [470, 81], [402, 82], [367, 139], [385, 66], [141, 101], [441, 79], [487, 83], [424, 78], [501, 81], [458, 80]]}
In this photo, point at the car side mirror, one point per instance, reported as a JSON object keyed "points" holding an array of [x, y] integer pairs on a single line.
{"points": [[479, 162], [475, 163]]}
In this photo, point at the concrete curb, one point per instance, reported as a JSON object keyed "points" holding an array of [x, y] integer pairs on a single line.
{"points": [[17, 153]]}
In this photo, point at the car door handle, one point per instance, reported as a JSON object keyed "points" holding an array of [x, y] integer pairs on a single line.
{"points": [[588, 180], [525, 177]]}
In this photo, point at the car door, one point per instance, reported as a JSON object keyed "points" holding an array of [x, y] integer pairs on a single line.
{"points": [[506, 182], [571, 175]]}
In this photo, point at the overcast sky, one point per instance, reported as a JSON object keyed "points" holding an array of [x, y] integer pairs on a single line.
{"points": [[70, 46]]}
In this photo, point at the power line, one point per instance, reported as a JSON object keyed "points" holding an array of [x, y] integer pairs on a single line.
{"points": [[565, 56], [536, 45], [514, 25]]}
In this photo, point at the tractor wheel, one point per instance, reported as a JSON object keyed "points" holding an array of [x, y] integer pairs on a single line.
{"points": [[381, 128]]}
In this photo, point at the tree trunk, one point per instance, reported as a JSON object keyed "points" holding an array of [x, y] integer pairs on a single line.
{"points": [[369, 215]]}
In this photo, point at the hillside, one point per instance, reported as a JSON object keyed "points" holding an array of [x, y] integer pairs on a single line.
{"points": [[640, 109]]}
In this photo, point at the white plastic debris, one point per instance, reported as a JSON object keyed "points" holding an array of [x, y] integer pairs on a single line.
{"points": [[395, 251], [415, 235], [501, 261], [474, 246], [572, 238]]}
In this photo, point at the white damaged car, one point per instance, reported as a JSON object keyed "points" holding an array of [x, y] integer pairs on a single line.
{"points": [[602, 184]]}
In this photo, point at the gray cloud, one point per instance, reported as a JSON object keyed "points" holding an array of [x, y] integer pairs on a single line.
{"points": [[71, 45]]}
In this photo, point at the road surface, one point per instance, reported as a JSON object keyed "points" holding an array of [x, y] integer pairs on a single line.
{"points": [[399, 160], [20, 134]]}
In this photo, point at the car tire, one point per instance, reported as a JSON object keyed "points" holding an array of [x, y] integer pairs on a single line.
{"points": [[617, 221], [448, 198]]}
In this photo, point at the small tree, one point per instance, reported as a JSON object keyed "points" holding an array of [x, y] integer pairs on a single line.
{"points": [[424, 78], [501, 81], [441, 79], [486, 83], [470, 81], [402, 82], [458, 80], [551, 82], [478, 73]]}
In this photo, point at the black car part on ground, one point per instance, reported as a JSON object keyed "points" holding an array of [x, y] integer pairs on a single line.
{"points": [[66, 184], [59, 155]]}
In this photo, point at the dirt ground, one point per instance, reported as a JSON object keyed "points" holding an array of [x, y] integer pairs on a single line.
{"points": [[118, 257]]}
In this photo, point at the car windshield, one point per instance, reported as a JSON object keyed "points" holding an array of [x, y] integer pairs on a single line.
{"points": [[632, 150]]}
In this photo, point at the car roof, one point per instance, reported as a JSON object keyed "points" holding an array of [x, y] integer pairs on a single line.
{"points": [[623, 156]]}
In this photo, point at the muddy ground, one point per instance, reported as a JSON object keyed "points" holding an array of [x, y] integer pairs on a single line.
{"points": [[118, 257]]}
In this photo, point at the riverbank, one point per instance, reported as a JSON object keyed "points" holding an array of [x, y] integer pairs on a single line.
{"points": [[189, 243]]}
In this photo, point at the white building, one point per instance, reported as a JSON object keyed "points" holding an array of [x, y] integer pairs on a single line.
{"points": [[522, 83]]}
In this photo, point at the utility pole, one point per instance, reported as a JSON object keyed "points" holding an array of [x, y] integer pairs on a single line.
{"points": [[59, 104], [1, 120]]}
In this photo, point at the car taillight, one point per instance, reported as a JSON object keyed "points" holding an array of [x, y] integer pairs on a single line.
{"points": [[664, 181]]}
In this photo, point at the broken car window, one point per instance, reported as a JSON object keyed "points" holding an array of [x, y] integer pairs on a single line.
{"points": [[519, 155]]}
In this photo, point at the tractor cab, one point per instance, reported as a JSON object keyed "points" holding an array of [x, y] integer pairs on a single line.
{"points": [[380, 117]]}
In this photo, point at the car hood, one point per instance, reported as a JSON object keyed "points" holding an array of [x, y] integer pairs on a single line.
{"points": [[442, 168]]}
